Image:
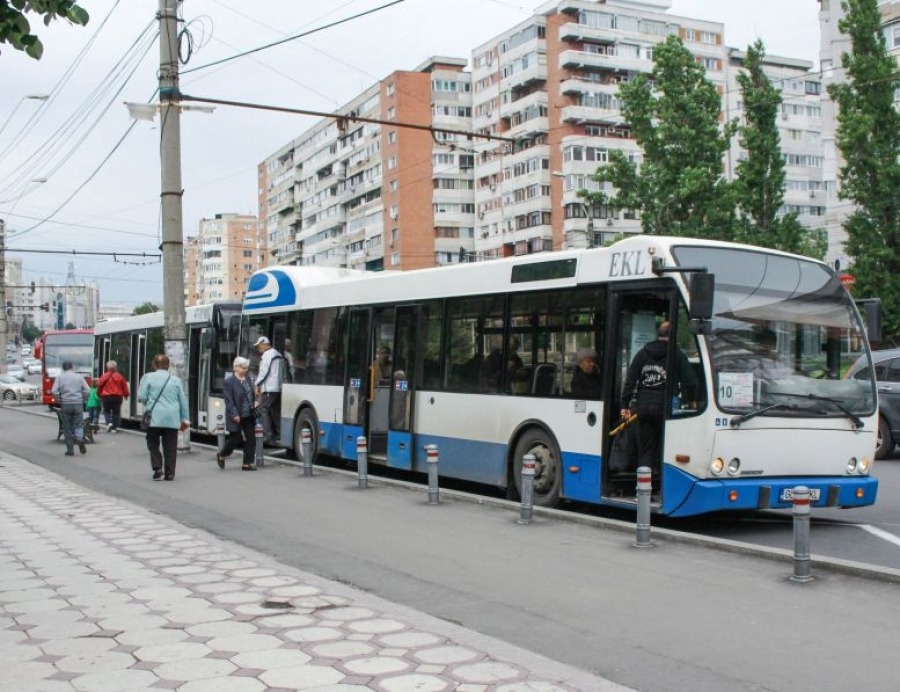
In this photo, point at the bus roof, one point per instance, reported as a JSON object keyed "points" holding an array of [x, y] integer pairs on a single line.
{"points": [[278, 288], [193, 315]]}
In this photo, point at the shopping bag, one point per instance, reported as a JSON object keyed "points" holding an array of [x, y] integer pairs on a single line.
{"points": [[623, 451], [145, 419]]}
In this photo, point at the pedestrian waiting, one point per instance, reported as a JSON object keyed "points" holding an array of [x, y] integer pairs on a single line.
{"points": [[162, 393], [71, 391]]}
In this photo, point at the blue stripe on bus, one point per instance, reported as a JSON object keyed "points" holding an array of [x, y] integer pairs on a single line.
{"points": [[581, 477], [400, 450], [348, 441], [480, 462], [684, 495]]}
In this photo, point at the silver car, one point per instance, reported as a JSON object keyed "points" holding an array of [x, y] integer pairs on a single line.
{"points": [[12, 390]]}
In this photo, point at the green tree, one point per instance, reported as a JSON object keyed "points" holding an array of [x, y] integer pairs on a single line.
{"points": [[679, 186], [30, 332], [70, 325], [759, 184], [15, 29], [145, 308], [868, 135]]}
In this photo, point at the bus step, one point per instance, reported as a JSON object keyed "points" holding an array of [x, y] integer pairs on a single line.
{"points": [[378, 459]]}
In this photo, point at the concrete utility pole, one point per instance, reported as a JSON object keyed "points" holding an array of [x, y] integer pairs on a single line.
{"points": [[3, 321], [170, 152], [174, 331]]}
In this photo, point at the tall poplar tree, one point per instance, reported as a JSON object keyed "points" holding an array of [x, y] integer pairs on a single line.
{"points": [[679, 186], [868, 136], [759, 183]]}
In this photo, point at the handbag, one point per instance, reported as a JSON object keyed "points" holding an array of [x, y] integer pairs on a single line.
{"points": [[148, 412]]}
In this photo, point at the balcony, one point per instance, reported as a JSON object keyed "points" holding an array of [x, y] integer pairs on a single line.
{"points": [[580, 60], [572, 87], [591, 114], [572, 31], [529, 128], [535, 73]]}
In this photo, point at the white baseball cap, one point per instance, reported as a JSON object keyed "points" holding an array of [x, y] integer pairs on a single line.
{"points": [[262, 340]]}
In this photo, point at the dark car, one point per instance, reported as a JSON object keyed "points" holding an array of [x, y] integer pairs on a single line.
{"points": [[887, 378]]}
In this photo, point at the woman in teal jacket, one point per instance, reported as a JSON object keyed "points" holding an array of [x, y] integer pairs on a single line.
{"points": [[162, 393]]}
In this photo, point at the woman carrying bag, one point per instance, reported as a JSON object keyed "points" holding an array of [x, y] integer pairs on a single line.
{"points": [[162, 393]]}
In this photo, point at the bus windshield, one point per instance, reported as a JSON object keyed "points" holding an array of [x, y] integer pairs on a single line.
{"points": [[784, 331], [77, 348]]}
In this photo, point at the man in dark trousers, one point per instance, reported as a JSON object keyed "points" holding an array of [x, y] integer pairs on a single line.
{"points": [[646, 385]]}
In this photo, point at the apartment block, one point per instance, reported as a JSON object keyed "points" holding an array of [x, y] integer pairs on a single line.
{"points": [[356, 191], [219, 260], [542, 101]]}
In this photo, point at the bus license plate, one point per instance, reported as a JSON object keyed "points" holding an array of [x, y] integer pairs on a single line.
{"points": [[787, 495]]}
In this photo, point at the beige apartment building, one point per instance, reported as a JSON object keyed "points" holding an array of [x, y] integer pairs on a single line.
{"points": [[378, 196], [219, 260]]}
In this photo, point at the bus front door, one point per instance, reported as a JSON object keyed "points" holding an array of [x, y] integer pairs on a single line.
{"points": [[401, 400], [637, 316]]}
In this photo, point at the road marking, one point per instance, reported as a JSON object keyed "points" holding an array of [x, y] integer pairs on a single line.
{"points": [[875, 531]]}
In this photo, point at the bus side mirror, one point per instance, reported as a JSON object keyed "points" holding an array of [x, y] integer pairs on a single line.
{"points": [[702, 289], [871, 311]]}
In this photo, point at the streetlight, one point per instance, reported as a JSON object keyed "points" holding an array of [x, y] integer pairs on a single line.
{"points": [[586, 208], [31, 97]]}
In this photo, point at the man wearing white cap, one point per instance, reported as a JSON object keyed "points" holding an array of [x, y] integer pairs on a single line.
{"points": [[268, 389]]}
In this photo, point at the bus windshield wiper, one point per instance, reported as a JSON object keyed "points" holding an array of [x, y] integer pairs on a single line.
{"points": [[857, 421], [737, 420]]}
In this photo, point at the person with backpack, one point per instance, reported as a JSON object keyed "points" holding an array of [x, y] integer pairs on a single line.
{"points": [[113, 390], [645, 390], [268, 390]]}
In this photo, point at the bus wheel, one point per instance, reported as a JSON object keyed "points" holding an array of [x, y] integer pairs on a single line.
{"points": [[306, 421], [884, 443], [547, 470]]}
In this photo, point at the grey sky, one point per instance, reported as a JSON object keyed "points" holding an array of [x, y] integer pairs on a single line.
{"points": [[118, 209]]}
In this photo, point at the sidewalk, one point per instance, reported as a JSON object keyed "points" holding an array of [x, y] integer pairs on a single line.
{"points": [[98, 595]]}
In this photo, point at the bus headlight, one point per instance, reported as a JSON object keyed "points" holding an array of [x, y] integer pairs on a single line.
{"points": [[851, 465], [734, 467], [717, 466], [864, 465]]}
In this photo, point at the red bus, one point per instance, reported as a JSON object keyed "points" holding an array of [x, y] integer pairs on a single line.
{"points": [[55, 347]]}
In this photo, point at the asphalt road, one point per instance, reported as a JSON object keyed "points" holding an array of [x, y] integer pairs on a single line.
{"points": [[675, 617]]}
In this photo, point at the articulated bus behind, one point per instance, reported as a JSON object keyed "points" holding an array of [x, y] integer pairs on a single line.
{"points": [[481, 360], [212, 332], [55, 347]]}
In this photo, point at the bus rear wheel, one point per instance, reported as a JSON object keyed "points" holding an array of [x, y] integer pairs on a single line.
{"points": [[547, 471], [306, 421]]}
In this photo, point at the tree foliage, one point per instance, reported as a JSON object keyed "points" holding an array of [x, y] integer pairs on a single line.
{"points": [[868, 136], [759, 183], [15, 29], [145, 308], [679, 186]]}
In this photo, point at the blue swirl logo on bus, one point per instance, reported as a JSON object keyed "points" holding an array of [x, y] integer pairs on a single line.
{"points": [[270, 289]]}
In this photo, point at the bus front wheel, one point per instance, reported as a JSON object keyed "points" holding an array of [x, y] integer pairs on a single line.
{"points": [[547, 471], [306, 421], [884, 442]]}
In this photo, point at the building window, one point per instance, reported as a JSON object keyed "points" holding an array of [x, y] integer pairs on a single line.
{"points": [[392, 136], [392, 113], [390, 89], [392, 162]]}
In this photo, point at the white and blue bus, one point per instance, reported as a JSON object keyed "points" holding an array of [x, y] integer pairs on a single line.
{"points": [[479, 359], [212, 341]]}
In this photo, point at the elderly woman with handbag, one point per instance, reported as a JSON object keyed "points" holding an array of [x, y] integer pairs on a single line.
{"points": [[163, 395], [240, 415]]}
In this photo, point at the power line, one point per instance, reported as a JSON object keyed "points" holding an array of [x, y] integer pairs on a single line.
{"points": [[293, 38]]}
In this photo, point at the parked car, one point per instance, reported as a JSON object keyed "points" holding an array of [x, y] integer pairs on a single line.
{"points": [[16, 372], [34, 367], [887, 380], [10, 357], [13, 390], [26, 351]]}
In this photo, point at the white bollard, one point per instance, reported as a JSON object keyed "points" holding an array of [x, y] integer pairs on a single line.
{"points": [[260, 453], [362, 462], [434, 491], [220, 435], [802, 561], [527, 508], [306, 445], [644, 476]]}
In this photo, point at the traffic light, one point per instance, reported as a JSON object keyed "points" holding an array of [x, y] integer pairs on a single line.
{"points": [[9, 306], [45, 307], [32, 288]]}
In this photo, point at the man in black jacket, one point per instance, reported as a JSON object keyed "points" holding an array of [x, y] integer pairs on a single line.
{"points": [[646, 384]]}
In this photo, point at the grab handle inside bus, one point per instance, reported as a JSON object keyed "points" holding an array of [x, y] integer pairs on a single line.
{"points": [[371, 396]]}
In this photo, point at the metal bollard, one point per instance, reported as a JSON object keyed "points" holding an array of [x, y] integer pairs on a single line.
{"points": [[527, 507], [362, 462], [260, 453], [643, 508], [434, 497], [306, 444], [220, 435], [802, 562]]}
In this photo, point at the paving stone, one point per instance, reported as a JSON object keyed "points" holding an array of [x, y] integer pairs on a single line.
{"points": [[301, 677], [77, 647], [229, 684], [486, 672], [123, 623], [115, 681], [342, 650], [313, 634], [376, 626], [95, 662], [195, 616], [26, 671], [63, 630], [18, 653], [174, 651], [376, 665], [221, 629], [414, 681], [244, 642], [195, 669], [271, 659], [409, 640], [286, 621], [162, 594], [446, 655]]}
